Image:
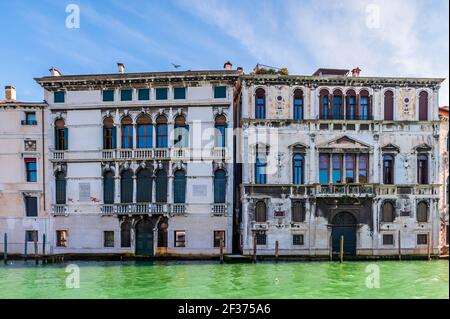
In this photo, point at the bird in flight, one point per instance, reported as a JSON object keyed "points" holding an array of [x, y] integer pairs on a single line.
{"points": [[176, 66]]}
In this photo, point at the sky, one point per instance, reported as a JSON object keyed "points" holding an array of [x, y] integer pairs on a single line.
{"points": [[382, 37]]}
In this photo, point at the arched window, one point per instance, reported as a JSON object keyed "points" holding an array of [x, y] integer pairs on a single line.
{"points": [[364, 105], [298, 211], [161, 186], [126, 186], [337, 105], [220, 136], [350, 105], [298, 168], [144, 131], [179, 187], [109, 134], [324, 168], [422, 169], [220, 183], [144, 186], [161, 132], [422, 212], [388, 106], [350, 168], [108, 188], [298, 104], [337, 168], [125, 234], [324, 104], [260, 104], [423, 106], [260, 164], [181, 134], [61, 135], [260, 212], [388, 169], [127, 132], [60, 188], [388, 215]]}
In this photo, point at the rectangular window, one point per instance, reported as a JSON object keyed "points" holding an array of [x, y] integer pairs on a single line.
{"points": [[31, 169], [337, 107], [260, 167], [362, 168], [337, 169], [161, 136], [59, 97], [126, 94], [30, 118], [127, 136], [218, 236], [180, 238], [161, 93], [298, 109], [179, 93], [108, 95], [261, 239], [31, 235], [108, 238], [298, 240], [220, 92], [144, 94], [351, 108], [349, 168], [364, 108], [388, 239], [61, 238], [324, 163], [31, 209], [422, 239]]}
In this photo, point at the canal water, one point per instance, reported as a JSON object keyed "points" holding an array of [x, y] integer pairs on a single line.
{"points": [[380, 279]]}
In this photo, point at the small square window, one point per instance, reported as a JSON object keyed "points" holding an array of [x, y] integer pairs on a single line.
{"points": [[126, 95], [30, 118], [218, 236], [144, 94], [161, 93], [422, 239], [61, 238], [179, 93], [261, 239], [31, 209], [108, 236], [59, 97], [298, 240], [180, 238], [31, 235], [31, 169], [108, 95], [220, 92], [388, 239]]}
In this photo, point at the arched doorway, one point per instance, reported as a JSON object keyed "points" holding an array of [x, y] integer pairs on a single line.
{"points": [[344, 224], [144, 238]]}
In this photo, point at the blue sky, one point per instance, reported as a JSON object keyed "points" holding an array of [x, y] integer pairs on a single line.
{"points": [[405, 38]]}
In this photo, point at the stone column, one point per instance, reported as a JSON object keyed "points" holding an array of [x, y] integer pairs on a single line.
{"points": [[244, 100], [134, 188], [117, 184], [313, 112], [170, 184]]}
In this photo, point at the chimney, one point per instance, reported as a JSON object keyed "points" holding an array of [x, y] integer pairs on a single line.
{"points": [[356, 71], [227, 65], [240, 70], [121, 67], [55, 72], [10, 93]]}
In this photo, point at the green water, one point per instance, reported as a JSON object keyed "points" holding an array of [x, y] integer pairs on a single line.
{"points": [[404, 279]]}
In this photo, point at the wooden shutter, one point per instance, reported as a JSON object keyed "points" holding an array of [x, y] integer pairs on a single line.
{"points": [[219, 186], [179, 187], [66, 138], [126, 187], [144, 186], [161, 186], [108, 188]]}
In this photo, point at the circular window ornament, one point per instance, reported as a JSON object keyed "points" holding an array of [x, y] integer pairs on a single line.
{"points": [[406, 100], [279, 98]]}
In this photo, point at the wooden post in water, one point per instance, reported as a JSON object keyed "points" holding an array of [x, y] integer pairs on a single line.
{"points": [[43, 244], [36, 258], [276, 250], [399, 246], [331, 247], [26, 247], [254, 247], [342, 249], [5, 250], [221, 250], [429, 246]]}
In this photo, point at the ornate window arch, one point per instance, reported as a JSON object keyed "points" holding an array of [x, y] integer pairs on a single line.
{"points": [[423, 106], [181, 134], [388, 105], [220, 125], [388, 212], [260, 103], [298, 104], [338, 104], [161, 132], [324, 104], [298, 211], [260, 212], [61, 135], [422, 212], [127, 131], [144, 131], [350, 104]]}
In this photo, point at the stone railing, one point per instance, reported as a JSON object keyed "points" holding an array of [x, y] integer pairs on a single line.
{"points": [[135, 208], [345, 189], [219, 209], [58, 155], [59, 209], [178, 209]]}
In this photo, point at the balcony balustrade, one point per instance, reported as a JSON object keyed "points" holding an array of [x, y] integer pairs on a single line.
{"points": [[219, 209], [59, 209], [134, 208], [178, 209]]}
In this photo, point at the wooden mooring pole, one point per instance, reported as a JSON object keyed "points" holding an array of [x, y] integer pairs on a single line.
{"points": [[429, 246], [26, 247], [399, 246], [5, 250], [276, 250], [36, 257], [342, 250], [221, 250], [331, 248], [254, 247]]}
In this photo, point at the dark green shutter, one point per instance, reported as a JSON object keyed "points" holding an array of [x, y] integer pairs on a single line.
{"points": [[114, 137], [126, 187], [60, 188], [144, 186], [31, 206], [108, 188], [56, 138], [219, 186], [179, 187], [161, 186], [66, 138]]}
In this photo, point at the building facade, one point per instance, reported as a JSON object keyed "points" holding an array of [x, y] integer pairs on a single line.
{"points": [[444, 144], [141, 163], [335, 155], [23, 183]]}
